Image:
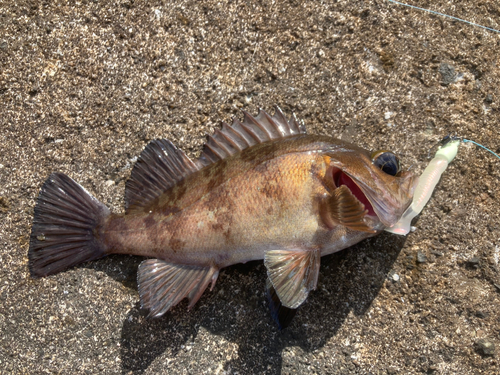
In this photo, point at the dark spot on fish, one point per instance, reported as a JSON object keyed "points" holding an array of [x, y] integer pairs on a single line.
{"points": [[153, 204], [149, 221], [170, 210], [216, 201], [179, 191], [207, 172], [262, 167], [112, 232], [117, 224], [176, 244], [274, 192], [220, 166], [250, 154], [218, 227], [227, 235], [215, 180], [221, 258]]}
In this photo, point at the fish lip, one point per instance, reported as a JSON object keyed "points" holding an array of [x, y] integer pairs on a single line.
{"points": [[374, 222], [387, 207]]}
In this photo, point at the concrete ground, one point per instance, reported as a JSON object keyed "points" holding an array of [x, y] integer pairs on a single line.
{"points": [[85, 85]]}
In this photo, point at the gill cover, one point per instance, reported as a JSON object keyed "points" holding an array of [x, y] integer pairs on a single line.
{"points": [[388, 194]]}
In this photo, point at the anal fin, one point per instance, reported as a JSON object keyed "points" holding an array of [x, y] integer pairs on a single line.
{"points": [[293, 274], [163, 285]]}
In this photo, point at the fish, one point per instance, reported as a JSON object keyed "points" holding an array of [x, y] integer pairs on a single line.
{"points": [[262, 189]]}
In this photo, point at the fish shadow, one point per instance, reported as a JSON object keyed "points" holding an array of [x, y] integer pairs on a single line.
{"points": [[237, 311]]}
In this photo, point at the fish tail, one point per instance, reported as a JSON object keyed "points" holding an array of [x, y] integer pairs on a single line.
{"points": [[65, 227]]}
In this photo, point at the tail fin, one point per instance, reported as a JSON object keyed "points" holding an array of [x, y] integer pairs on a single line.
{"points": [[63, 232]]}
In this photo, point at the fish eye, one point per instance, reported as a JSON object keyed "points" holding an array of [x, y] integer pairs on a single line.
{"points": [[387, 161]]}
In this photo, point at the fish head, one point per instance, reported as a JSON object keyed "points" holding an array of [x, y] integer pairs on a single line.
{"points": [[375, 179]]}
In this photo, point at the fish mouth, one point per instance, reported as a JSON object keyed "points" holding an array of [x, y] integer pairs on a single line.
{"points": [[340, 178], [383, 209]]}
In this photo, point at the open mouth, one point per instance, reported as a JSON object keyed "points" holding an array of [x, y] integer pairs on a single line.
{"points": [[340, 178]]}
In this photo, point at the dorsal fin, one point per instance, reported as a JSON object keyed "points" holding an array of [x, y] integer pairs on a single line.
{"points": [[160, 166], [241, 135]]}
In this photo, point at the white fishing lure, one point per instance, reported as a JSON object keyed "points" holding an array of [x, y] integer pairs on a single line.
{"points": [[426, 184]]}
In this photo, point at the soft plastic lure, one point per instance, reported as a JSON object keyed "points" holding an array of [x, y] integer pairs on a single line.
{"points": [[428, 181], [426, 184]]}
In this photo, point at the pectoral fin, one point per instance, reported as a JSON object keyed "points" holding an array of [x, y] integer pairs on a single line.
{"points": [[163, 285], [293, 273], [281, 314], [343, 208]]}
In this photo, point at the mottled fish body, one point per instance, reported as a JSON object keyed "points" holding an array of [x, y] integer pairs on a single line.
{"points": [[262, 189]]}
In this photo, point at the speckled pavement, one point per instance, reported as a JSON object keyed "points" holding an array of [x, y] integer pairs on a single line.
{"points": [[84, 85]]}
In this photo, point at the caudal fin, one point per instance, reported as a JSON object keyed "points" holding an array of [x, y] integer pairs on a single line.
{"points": [[64, 227]]}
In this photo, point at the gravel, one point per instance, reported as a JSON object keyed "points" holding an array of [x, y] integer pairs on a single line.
{"points": [[85, 85], [485, 346]]}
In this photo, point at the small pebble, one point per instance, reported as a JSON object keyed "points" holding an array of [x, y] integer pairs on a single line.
{"points": [[448, 74], [409, 262], [432, 369], [473, 262], [481, 315], [421, 258], [485, 346], [4, 204]]}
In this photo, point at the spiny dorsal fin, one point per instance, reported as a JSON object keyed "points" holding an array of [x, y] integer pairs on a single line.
{"points": [[241, 135], [343, 208], [293, 274], [163, 285], [160, 166]]}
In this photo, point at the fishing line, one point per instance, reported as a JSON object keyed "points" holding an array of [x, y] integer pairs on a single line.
{"points": [[477, 144], [444, 15], [450, 138]]}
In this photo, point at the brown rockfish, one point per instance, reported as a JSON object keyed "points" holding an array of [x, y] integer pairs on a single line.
{"points": [[262, 189]]}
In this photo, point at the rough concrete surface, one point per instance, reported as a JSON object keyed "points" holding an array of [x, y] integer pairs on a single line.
{"points": [[84, 85]]}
